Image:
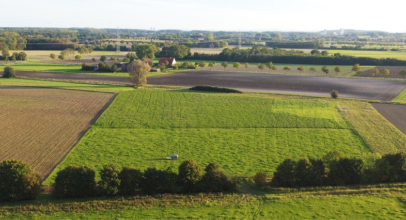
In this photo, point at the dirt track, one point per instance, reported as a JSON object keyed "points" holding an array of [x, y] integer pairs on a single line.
{"points": [[396, 114], [350, 88]]}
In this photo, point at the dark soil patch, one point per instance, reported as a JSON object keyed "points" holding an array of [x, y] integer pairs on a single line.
{"points": [[394, 72], [395, 114], [322, 86]]}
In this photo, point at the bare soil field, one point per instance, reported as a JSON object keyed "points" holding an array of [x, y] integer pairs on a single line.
{"points": [[40, 126], [350, 88], [396, 114], [394, 72], [321, 86]]}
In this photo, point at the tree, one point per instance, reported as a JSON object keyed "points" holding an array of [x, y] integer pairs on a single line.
{"points": [[14, 56], [324, 53], [224, 65], [384, 72], [22, 55], [61, 57], [126, 60], [5, 53], [130, 180], [176, 51], [189, 174], [301, 69], [210, 37], [374, 72], [325, 70], [158, 181], [346, 171], [75, 182], [261, 66], [337, 69], [146, 51], [403, 74], [9, 72], [94, 59], [18, 181], [356, 68], [211, 64], [315, 52], [284, 176], [246, 65], [260, 179], [334, 94], [286, 68], [202, 64], [138, 71], [269, 65], [236, 65], [131, 56], [103, 58], [114, 68], [53, 56], [274, 68], [78, 57], [312, 69], [110, 181]]}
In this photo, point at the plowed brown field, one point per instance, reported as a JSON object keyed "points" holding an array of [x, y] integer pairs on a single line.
{"points": [[40, 126]]}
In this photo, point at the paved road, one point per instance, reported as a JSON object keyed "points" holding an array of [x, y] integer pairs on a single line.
{"points": [[395, 114], [350, 88]]}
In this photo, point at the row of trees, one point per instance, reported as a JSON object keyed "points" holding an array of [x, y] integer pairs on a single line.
{"points": [[335, 170], [79, 181]]}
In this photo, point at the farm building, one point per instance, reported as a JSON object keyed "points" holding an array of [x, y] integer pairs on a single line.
{"points": [[171, 61], [124, 65]]}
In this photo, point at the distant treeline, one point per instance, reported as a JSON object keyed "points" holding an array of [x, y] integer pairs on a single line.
{"points": [[301, 45], [292, 57]]}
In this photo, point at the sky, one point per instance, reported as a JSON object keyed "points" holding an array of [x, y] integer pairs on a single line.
{"points": [[214, 15]]}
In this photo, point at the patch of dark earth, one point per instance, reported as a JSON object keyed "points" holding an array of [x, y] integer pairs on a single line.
{"points": [[395, 114], [394, 72], [257, 82]]}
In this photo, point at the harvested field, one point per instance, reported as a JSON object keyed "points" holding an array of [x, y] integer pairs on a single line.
{"points": [[396, 114], [40, 126], [394, 72], [321, 86]]}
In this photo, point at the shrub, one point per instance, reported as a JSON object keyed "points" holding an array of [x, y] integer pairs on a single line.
{"points": [[114, 68], [309, 172], [214, 180], [260, 179], [103, 58], [126, 60], [75, 182], [285, 174], [110, 181], [104, 67], [346, 171], [334, 94], [86, 67], [214, 89], [189, 174], [94, 59], [390, 168], [131, 180], [158, 181], [9, 72], [18, 181]]}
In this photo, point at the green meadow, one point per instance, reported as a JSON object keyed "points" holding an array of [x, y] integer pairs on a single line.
{"points": [[243, 133], [401, 55]]}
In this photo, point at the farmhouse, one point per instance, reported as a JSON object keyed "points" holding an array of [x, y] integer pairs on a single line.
{"points": [[171, 61]]}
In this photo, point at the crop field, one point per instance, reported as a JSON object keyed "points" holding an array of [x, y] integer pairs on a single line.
{"points": [[40, 126], [243, 133], [401, 97], [401, 55]]}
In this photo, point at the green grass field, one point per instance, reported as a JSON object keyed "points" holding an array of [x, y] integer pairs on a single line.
{"points": [[243, 133], [401, 55], [401, 97], [64, 85], [384, 203]]}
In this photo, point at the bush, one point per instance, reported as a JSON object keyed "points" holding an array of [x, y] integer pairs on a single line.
{"points": [[110, 181], [103, 58], [214, 89], [131, 181], [309, 172], [260, 179], [390, 168], [346, 171], [18, 181], [9, 72], [334, 94], [104, 67], [87, 67], [189, 174], [126, 60], [75, 182], [158, 181], [214, 180]]}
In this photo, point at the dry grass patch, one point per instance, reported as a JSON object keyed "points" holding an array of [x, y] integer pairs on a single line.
{"points": [[40, 126]]}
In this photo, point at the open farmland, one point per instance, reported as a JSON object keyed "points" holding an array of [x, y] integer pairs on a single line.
{"points": [[243, 133], [401, 55], [394, 72], [40, 126]]}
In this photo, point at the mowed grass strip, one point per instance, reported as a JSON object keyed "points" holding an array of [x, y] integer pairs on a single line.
{"points": [[147, 108], [244, 134], [40, 126], [401, 98]]}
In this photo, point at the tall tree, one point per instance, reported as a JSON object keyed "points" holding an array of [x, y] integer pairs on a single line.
{"points": [[301, 69], [337, 69], [5, 53], [53, 56], [224, 65], [146, 51], [261, 66], [138, 71], [211, 64], [325, 70], [269, 65], [237, 65], [384, 72]]}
